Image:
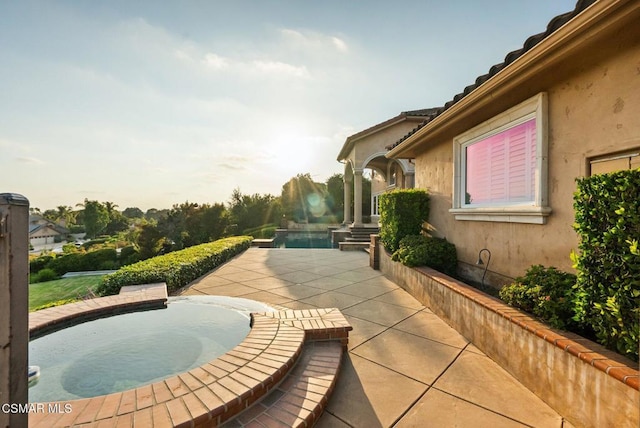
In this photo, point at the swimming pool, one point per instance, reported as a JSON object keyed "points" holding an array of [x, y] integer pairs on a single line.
{"points": [[134, 349], [305, 239]]}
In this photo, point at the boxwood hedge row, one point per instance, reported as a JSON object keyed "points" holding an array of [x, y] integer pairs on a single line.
{"points": [[176, 269]]}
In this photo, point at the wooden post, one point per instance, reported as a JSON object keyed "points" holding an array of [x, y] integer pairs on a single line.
{"points": [[14, 308]]}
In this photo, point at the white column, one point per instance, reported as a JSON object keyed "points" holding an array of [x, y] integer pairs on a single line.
{"points": [[409, 180], [347, 200], [357, 202]]}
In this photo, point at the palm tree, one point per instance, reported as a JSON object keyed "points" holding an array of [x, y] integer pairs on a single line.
{"points": [[66, 215], [111, 207]]}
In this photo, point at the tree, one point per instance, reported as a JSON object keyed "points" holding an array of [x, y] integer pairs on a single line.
{"points": [[190, 224], [209, 223], [117, 223], [50, 215], [133, 212], [173, 225], [96, 218], [150, 241], [249, 211], [303, 199], [153, 214], [110, 207], [65, 215], [335, 195]]}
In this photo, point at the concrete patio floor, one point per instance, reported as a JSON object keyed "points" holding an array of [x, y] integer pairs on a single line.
{"points": [[405, 366]]}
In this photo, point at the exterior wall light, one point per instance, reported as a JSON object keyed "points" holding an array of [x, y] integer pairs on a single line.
{"points": [[480, 262]]}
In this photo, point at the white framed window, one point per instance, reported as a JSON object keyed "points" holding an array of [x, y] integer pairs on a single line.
{"points": [[612, 163], [500, 167]]}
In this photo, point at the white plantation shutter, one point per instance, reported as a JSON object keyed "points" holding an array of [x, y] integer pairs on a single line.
{"points": [[501, 168]]}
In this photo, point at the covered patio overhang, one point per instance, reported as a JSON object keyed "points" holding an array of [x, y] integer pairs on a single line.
{"points": [[366, 150]]}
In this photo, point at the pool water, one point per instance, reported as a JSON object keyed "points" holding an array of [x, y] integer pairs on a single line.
{"points": [[306, 240], [130, 350]]}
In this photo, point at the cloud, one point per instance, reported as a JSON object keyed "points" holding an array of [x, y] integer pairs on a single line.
{"points": [[215, 62], [281, 68], [340, 44], [231, 166], [30, 160], [311, 40]]}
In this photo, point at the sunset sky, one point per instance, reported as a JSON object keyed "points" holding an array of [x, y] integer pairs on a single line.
{"points": [[149, 104]]}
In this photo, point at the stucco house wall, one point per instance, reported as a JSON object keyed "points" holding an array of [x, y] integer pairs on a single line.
{"points": [[593, 93], [375, 143]]}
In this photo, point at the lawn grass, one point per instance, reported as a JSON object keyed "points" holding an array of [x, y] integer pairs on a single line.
{"points": [[65, 289]]}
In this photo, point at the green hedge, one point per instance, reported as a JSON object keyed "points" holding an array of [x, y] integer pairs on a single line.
{"points": [[176, 269], [419, 250], [43, 275], [402, 213], [106, 258], [608, 287], [547, 293]]}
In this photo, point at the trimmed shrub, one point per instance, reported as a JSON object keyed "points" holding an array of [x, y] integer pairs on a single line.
{"points": [[39, 263], [43, 276], [81, 262], [419, 250], [98, 259], [176, 269], [402, 213], [66, 263], [70, 248], [108, 265], [608, 287], [547, 293]]}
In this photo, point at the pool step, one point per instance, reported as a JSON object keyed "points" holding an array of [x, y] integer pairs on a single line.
{"points": [[353, 246], [264, 242], [303, 395], [362, 234]]}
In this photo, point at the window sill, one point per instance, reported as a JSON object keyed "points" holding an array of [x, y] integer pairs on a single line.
{"points": [[532, 215]]}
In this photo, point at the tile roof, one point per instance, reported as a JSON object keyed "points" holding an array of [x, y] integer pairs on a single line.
{"points": [[532, 41], [346, 148]]}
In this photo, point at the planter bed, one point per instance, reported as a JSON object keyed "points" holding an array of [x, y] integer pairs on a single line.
{"points": [[584, 382]]}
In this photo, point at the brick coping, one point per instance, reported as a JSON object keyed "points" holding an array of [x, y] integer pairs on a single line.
{"points": [[207, 395], [131, 298], [609, 362]]}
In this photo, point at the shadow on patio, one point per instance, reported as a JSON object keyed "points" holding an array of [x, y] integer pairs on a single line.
{"points": [[405, 366]]}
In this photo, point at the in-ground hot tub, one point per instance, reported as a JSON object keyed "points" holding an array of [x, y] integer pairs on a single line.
{"points": [[130, 350]]}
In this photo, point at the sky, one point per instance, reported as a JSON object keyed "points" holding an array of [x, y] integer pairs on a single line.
{"points": [[149, 104]]}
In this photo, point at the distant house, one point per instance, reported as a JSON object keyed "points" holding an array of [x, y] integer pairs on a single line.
{"points": [[367, 150], [44, 232], [500, 160]]}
